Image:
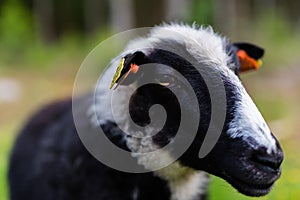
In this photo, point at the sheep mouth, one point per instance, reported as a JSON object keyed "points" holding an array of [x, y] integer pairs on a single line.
{"points": [[252, 187]]}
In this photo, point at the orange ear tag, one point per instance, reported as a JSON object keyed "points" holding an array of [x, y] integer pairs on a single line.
{"points": [[246, 62]]}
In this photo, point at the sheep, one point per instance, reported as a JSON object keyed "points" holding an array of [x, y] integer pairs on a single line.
{"points": [[50, 161]]}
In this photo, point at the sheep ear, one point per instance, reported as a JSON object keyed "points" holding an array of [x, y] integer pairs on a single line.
{"points": [[249, 56], [128, 67]]}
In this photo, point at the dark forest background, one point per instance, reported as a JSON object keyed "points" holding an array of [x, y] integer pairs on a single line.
{"points": [[51, 19]]}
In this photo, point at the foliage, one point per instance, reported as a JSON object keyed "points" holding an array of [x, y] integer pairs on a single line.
{"points": [[202, 12], [16, 30], [280, 39]]}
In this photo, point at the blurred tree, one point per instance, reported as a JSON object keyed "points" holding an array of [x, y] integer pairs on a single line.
{"points": [[44, 19], [54, 18], [16, 30], [177, 10], [225, 13], [202, 12], [96, 14], [121, 15], [149, 13], [291, 10], [69, 16]]}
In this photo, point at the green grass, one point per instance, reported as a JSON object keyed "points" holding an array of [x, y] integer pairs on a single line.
{"points": [[6, 140], [33, 95]]}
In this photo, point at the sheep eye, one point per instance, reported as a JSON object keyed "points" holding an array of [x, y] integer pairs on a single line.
{"points": [[165, 80]]}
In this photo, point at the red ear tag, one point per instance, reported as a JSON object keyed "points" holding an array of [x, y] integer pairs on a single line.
{"points": [[246, 62], [133, 68]]}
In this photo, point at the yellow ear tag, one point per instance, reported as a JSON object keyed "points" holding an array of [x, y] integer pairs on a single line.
{"points": [[259, 62], [118, 73]]}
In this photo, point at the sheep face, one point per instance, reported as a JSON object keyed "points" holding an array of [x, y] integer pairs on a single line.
{"points": [[246, 153]]}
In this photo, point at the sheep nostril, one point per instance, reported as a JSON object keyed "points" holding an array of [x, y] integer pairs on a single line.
{"points": [[272, 160]]}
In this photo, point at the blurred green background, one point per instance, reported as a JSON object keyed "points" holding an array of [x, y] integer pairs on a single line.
{"points": [[43, 42]]}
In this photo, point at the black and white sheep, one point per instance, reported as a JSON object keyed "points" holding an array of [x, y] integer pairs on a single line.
{"points": [[49, 160]]}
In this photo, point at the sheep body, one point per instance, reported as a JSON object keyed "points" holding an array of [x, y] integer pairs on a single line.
{"points": [[50, 162]]}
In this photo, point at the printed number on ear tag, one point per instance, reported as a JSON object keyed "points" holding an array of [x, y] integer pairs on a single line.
{"points": [[118, 73]]}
